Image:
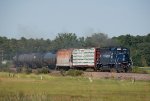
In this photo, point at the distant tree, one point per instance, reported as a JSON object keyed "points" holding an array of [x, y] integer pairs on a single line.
{"points": [[139, 46], [147, 38], [81, 42], [65, 40], [99, 40], [144, 48]]}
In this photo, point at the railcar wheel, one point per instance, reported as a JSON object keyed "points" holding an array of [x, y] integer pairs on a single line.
{"points": [[129, 69]]}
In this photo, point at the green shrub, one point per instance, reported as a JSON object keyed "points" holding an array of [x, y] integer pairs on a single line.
{"points": [[139, 70], [6, 66], [18, 69], [72, 72], [28, 70], [43, 70], [4, 69]]}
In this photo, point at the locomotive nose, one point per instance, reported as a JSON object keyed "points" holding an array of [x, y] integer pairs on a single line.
{"points": [[121, 58]]}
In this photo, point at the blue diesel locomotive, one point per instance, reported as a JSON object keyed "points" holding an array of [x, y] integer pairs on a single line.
{"points": [[114, 59]]}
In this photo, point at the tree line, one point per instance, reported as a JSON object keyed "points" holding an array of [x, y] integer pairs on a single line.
{"points": [[139, 45]]}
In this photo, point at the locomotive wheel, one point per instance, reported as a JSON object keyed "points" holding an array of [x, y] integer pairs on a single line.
{"points": [[123, 70], [129, 69]]}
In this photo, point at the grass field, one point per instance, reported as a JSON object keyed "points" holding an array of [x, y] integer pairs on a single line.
{"points": [[23, 87], [147, 69]]}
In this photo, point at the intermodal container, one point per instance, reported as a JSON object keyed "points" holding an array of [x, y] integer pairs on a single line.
{"points": [[85, 57], [64, 58]]}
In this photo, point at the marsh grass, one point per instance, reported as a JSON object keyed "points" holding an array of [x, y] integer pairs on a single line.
{"points": [[23, 87]]}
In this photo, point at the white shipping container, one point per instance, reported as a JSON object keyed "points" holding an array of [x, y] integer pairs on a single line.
{"points": [[83, 57]]}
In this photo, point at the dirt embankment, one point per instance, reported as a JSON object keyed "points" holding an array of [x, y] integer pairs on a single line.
{"points": [[127, 76]]}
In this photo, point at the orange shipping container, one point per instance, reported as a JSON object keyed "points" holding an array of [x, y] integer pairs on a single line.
{"points": [[64, 58]]}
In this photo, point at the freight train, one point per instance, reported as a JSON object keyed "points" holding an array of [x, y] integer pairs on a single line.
{"points": [[99, 59]]}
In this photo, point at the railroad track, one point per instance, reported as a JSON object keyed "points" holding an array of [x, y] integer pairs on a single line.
{"points": [[106, 75], [121, 76]]}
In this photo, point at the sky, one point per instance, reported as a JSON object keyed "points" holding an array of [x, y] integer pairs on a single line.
{"points": [[46, 18]]}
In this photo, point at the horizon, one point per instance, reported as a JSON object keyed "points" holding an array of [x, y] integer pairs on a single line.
{"points": [[73, 33]]}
